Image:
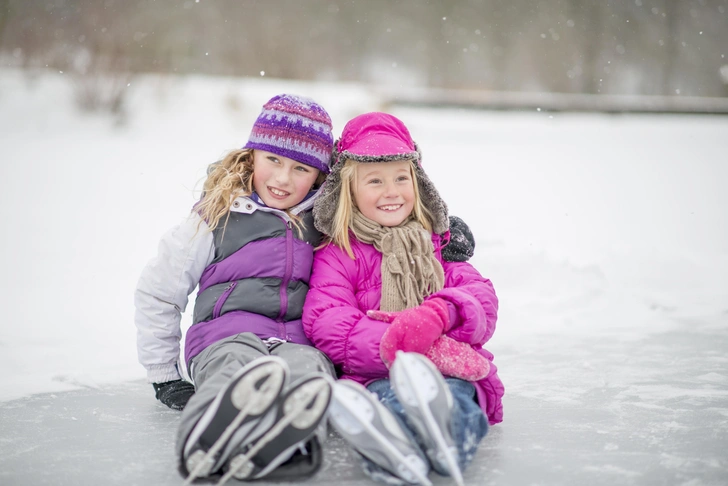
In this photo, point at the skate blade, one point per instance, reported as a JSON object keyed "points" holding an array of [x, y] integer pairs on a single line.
{"points": [[407, 364], [251, 401], [302, 408], [349, 425]]}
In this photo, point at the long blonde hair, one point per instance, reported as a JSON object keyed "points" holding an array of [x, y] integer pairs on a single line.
{"points": [[344, 211], [228, 179]]}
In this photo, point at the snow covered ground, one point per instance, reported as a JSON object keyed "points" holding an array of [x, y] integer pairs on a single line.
{"points": [[606, 238]]}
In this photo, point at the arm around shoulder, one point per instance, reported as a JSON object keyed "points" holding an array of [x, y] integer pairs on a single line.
{"points": [[162, 294]]}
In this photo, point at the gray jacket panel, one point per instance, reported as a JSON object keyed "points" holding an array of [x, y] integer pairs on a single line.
{"points": [[259, 295]]}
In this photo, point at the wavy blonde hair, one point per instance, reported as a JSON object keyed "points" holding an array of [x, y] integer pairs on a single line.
{"points": [[344, 210], [230, 178]]}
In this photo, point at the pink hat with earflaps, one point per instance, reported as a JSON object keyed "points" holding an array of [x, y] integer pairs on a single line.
{"points": [[375, 138]]}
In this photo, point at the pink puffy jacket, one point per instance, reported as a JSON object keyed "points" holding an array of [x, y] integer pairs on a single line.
{"points": [[342, 290]]}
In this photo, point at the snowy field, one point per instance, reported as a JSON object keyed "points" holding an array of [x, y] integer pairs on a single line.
{"points": [[606, 238]]}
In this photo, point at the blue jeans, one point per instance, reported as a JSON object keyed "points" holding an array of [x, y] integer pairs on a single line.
{"points": [[469, 424]]}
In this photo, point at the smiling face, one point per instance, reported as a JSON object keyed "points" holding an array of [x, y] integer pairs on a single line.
{"points": [[279, 181], [384, 191]]}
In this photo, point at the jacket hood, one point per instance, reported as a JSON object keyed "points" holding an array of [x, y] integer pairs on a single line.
{"points": [[376, 138]]}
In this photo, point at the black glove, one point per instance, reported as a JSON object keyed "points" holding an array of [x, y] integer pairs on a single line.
{"points": [[174, 394], [462, 244]]}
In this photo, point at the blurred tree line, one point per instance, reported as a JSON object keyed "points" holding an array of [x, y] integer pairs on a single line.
{"points": [[652, 47]]}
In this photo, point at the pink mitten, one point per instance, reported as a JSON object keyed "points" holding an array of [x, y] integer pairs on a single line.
{"points": [[415, 330], [458, 360]]}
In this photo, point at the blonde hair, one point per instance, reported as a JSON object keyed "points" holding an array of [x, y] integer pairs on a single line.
{"points": [[230, 178], [344, 211]]}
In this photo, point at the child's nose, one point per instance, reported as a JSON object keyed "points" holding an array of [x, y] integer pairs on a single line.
{"points": [[390, 190], [283, 176]]}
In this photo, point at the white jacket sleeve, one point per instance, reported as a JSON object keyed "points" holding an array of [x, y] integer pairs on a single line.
{"points": [[162, 294]]}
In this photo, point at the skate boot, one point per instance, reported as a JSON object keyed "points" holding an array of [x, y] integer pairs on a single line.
{"points": [[298, 413], [235, 413], [374, 432], [425, 396]]}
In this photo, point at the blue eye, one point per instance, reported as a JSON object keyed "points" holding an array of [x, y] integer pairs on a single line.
{"points": [[303, 168], [273, 159]]}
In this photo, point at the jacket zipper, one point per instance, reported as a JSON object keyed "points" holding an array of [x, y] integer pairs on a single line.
{"points": [[221, 300], [286, 279]]}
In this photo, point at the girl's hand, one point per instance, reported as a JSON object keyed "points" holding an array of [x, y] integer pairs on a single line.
{"points": [[414, 330], [458, 360], [175, 394]]}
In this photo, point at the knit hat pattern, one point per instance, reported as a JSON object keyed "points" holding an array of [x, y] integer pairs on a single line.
{"points": [[375, 138], [295, 127]]}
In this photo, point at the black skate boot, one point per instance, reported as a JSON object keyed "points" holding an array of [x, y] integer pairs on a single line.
{"points": [[300, 410], [234, 416]]}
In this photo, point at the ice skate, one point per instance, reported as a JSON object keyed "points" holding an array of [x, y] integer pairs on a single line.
{"points": [[373, 431], [236, 412], [299, 412], [426, 398]]}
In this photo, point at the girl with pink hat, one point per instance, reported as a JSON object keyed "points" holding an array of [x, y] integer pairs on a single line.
{"points": [[404, 327]]}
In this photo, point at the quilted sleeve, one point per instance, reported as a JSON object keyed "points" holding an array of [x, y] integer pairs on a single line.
{"points": [[333, 321], [472, 301]]}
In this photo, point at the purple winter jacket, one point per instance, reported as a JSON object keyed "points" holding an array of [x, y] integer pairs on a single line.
{"points": [[342, 290]]}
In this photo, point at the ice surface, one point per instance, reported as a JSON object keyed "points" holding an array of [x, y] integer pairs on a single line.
{"points": [[606, 238]]}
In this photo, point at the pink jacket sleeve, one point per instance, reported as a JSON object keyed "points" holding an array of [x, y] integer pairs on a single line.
{"points": [[473, 313], [472, 302], [333, 321]]}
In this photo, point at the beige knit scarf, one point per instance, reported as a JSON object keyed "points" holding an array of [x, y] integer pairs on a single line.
{"points": [[410, 271]]}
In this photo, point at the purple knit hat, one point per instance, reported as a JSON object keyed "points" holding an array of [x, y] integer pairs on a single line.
{"points": [[294, 127]]}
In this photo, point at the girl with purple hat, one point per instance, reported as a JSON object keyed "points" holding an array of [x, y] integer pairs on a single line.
{"points": [[261, 390], [404, 327]]}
